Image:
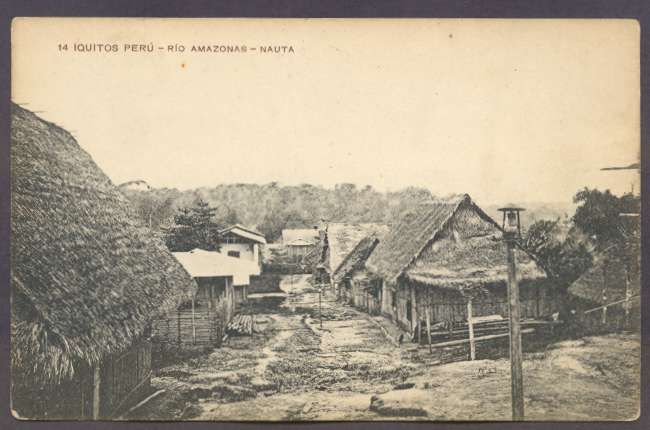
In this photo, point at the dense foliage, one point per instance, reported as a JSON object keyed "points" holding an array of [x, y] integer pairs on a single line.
{"points": [[273, 207], [193, 228], [565, 248]]}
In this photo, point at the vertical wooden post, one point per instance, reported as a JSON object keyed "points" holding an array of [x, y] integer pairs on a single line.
{"points": [[320, 304], [604, 319], [419, 329], [96, 386], [516, 375], [627, 296], [428, 328], [470, 326], [179, 326], [193, 324], [414, 311]]}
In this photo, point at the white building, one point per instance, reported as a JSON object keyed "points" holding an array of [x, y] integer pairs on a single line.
{"points": [[242, 242]]}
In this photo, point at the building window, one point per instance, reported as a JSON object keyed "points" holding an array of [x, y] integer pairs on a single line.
{"points": [[233, 254]]}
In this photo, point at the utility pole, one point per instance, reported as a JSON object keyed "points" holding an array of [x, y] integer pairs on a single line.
{"points": [[512, 231], [320, 283], [320, 305]]}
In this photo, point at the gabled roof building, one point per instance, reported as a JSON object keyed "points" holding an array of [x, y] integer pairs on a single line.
{"points": [[87, 279]]}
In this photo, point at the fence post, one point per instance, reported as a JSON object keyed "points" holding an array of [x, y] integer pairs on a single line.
{"points": [[470, 326], [428, 319], [604, 319], [193, 324], [179, 326], [627, 297], [96, 391]]}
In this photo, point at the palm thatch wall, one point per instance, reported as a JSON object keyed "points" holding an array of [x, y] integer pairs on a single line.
{"points": [[87, 279]]}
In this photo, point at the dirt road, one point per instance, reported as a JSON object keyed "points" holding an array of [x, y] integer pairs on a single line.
{"points": [[291, 369], [294, 370]]}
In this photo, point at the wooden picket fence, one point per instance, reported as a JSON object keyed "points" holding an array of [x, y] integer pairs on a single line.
{"points": [[201, 327]]}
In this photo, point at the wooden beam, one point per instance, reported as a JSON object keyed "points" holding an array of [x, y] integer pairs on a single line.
{"points": [[618, 302], [193, 324], [470, 325], [179, 326], [516, 373], [428, 328], [627, 297], [604, 308], [96, 391], [478, 339]]}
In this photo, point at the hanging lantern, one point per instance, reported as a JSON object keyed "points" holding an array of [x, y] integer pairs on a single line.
{"points": [[321, 274], [511, 221]]}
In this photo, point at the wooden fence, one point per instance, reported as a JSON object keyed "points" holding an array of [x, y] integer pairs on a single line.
{"points": [[203, 326], [124, 378]]}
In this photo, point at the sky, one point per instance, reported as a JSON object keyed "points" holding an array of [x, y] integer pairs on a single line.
{"points": [[504, 110]]}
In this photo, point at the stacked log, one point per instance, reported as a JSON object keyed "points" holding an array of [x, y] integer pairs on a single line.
{"points": [[241, 325]]}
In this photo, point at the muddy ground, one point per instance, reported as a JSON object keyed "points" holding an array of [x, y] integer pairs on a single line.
{"points": [[353, 369]]}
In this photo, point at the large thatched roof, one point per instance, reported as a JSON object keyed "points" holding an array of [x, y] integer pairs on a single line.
{"points": [[408, 237], [451, 244], [87, 278], [470, 262]]}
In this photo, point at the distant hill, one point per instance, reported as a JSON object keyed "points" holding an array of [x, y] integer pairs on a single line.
{"points": [[272, 207]]}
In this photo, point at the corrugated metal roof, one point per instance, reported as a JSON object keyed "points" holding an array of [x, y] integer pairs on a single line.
{"points": [[245, 232], [201, 263], [292, 234]]}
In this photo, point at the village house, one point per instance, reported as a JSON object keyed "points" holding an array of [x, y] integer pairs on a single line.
{"points": [[86, 282], [219, 272], [607, 296], [339, 240], [242, 242], [446, 259], [354, 286], [299, 242], [223, 284]]}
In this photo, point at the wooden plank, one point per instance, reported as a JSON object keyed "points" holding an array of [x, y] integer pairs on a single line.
{"points": [[478, 339], [618, 302]]}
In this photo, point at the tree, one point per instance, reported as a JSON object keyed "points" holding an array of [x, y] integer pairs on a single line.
{"points": [[194, 228], [562, 251], [598, 215]]}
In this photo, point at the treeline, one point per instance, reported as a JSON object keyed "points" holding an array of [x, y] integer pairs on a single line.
{"points": [[272, 207]]}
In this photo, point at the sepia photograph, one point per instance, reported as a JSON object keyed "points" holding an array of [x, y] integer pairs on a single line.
{"points": [[325, 219]]}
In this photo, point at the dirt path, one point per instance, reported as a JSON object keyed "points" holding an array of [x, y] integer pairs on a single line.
{"points": [[294, 370]]}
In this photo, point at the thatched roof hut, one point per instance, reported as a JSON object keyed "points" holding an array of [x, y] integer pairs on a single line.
{"points": [[87, 278], [611, 271], [356, 259], [342, 238], [449, 244]]}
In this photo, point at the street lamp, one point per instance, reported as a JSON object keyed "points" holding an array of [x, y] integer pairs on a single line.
{"points": [[321, 273], [511, 233]]}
